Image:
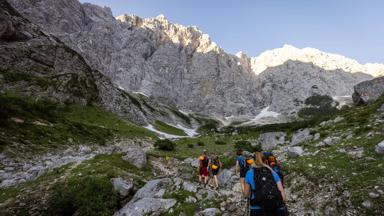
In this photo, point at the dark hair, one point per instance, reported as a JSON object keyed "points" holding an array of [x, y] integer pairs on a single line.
{"points": [[239, 151]]}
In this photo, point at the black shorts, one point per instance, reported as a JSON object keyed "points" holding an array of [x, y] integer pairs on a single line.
{"points": [[242, 173], [215, 172]]}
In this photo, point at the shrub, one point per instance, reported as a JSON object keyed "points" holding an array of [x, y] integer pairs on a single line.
{"points": [[166, 145], [85, 196], [190, 145], [220, 142], [227, 162], [200, 143], [246, 146]]}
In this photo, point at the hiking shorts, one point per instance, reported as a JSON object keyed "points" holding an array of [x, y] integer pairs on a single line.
{"points": [[203, 171], [242, 173], [215, 172]]}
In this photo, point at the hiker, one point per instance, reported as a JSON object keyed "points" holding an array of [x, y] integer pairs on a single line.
{"points": [[265, 190], [272, 162], [241, 167], [215, 166], [203, 168]]}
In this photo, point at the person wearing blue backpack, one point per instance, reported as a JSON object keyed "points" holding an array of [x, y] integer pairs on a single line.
{"points": [[264, 189]]}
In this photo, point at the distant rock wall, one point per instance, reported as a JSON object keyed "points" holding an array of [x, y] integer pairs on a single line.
{"points": [[182, 67]]}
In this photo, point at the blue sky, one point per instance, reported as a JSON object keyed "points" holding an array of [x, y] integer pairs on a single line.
{"points": [[353, 28]]}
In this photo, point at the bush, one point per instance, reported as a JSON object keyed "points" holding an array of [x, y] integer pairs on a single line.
{"points": [[190, 145], [200, 143], [86, 196], [227, 162], [220, 142], [246, 146], [166, 145]]}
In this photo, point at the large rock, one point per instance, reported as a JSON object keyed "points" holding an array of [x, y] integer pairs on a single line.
{"points": [[209, 212], [189, 186], [225, 176], [380, 147], [301, 136], [381, 109], [295, 151], [146, 206], [136, 156], [271, 140], [122, 186], [152, 189], [368, 91]]}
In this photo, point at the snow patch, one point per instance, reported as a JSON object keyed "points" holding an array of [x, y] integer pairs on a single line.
{"points": [[264, 113], [142, 93], [188, 131]]}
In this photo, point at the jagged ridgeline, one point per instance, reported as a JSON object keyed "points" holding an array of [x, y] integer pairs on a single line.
{"points": [[76, 134]]}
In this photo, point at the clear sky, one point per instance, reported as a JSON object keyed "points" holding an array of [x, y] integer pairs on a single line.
{"points": [[353, 28]]}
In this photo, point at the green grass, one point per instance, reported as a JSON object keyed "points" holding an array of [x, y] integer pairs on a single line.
{"points": [[329, 166], [63, 125], [86, 188], [166, 128]]}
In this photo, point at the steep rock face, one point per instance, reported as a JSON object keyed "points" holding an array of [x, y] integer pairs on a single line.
{"points": [[368, 91], [37, 64], [182, 67]]}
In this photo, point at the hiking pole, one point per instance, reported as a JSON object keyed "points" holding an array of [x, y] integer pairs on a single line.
{"points": [[247, 212]]}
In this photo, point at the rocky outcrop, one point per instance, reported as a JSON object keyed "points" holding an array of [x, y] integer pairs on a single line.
{"points": [[182, 67], [122, 186], [380, 147], [301, 136], [148, 200], [136, 156], [295, 151], [270, 140], [368, 91], [38, 64]]}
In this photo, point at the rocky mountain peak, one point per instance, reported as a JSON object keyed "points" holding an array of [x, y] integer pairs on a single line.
{"points": [[327, 61]]}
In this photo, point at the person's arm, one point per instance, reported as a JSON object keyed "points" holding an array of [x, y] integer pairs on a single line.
{"points": [[237, 168], [282, 191]]}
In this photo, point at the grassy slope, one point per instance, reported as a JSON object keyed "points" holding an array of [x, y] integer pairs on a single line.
{"points": [[63, 125], [331, 165], [86, 188], [163, 127]]}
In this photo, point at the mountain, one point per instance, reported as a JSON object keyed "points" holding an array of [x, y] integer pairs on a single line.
{"points": [[182, 67], [38, 64], [327, 61]]}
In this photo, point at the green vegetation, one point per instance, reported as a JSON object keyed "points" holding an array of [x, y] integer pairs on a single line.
{"points": [[220, 142], [165, 145], [319, 106], [34, 125], [87, 196], [181, 115], [85, 189], [163, 127]]}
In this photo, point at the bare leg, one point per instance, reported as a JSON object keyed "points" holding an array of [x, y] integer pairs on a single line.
{"points": [[216, 181], [242, 182]]}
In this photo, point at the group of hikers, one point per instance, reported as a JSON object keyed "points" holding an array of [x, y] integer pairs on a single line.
{"points": [[261, 179]]}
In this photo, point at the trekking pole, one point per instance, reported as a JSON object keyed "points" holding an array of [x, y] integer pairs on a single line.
{"points": [[247, 212]]}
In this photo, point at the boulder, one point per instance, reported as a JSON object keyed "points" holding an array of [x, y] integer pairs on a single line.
{"points": [[301, 136], [122, 186], [380, 147], [271, 140], [381, 109], [295, 151], [154, 188], [190, 199], [189, 186], [317, 136], [146, 206], [209, 212], [225, 176], [368, 91], [136, 156]]}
